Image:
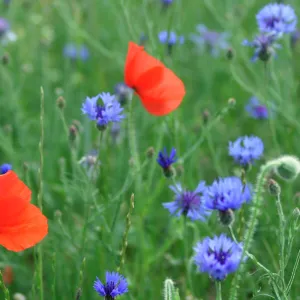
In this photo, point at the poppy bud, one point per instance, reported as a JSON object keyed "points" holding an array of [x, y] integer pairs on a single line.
{"points": [[288, 167], [61, 102], [19, 296], [273, 187], [150, 152], [232, 102], [226, 217], [230, 54], [5, 59], [205, 116], [72, 133], [78, 294]]}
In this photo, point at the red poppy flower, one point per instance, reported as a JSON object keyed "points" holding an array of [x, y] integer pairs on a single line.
{"points": [[22, 225], [160, 90]]}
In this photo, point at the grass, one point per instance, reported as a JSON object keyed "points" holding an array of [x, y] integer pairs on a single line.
{"points": [[87, 220]]}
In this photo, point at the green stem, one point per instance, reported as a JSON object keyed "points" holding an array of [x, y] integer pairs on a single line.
{"points": [[133, 146], [40, 194], [218, 290], [253, 220], [4, 288], [293, 273], [185, 253], [281, 237]]}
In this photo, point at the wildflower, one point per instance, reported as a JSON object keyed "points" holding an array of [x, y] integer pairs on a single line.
{"points": [[218, 256], [91, 163], [160, 90], [226, 193], [167, 2], [110, 111], [74, 52], [295, 37], [6, 35], [170, 38], [4, 27], [211, 40], [245, 150], [22, 225], [256, 110], [122, 92], [166, 161], [116, 285], [264, 45], [5, 168], [274, 17], [188, 203]]}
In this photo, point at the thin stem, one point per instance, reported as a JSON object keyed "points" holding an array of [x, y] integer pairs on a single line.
{"points": [[218, 290], [4, 288], [293, 273], [253, 220], [281, 237], [40, 194], [185, 253], [133, 146]]}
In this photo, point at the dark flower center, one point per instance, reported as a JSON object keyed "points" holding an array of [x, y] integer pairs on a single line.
{"points": [[272, 21], [100, 110], [109, 287], [190, 199], [221, 256], [260, 110]]}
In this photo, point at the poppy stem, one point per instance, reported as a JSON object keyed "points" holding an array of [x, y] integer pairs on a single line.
{"points": [[133, 146], [40, 194], [4, 288]]}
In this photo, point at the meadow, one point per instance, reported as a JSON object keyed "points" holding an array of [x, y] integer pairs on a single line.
{"points": [[102, 188]]}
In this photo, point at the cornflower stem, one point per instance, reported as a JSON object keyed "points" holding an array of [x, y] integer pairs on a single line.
{"points": [[94, 173], [218, 290], [253, 220], [133, 146], [40, 194], [282, 223], [185, 254]]}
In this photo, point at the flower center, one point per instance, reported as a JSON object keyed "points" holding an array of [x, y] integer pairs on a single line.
{"points": [[109, 287], [99, 110], [260, 110], [190, 199], [272, 21]]}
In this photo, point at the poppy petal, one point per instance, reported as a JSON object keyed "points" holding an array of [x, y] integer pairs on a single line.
{"points": [[165, 97], [139, 66], [29, 228], [14, 197]]}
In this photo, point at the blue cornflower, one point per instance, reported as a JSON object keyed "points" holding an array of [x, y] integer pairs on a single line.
{"points": [[170, 38], [115, 285], [214, 41], [265, 46], [167, 2], [188, 203], [274, 17], [295, 37], [5, 168], [257, 110], [245, 150], [4, 27], [166, 161], [122, 92], [84, 53], [218, 256], [109, 111], [74, 52], [226, 193]]}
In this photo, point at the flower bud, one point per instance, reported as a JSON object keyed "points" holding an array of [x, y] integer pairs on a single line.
{"points": [[19, 296], [232, 102], [150, 152], [73, 133], [274, 187], [226, 217], [288, 167], [78, 294], [61, 102], [230, 54], [205, 116], [5, 59]]}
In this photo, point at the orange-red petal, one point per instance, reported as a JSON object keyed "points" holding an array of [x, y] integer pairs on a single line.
{"points": [[138, 64], [29, 228], [165, 97], [14, 197], [160, 90]]}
